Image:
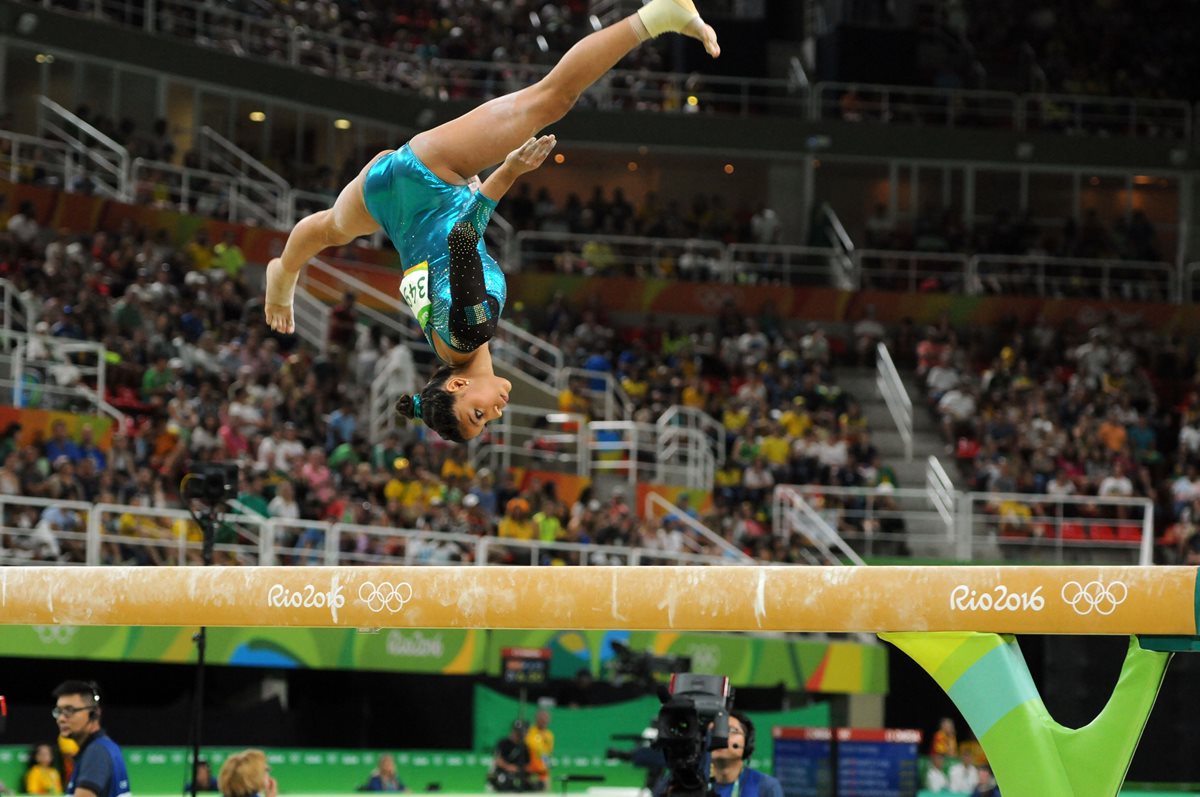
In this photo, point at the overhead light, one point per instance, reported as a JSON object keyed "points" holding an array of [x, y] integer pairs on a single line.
{"points": [[729, 168], [560, 158], [44, 58], [632, 166], [341, 124], [693, 99], [258, 116]]}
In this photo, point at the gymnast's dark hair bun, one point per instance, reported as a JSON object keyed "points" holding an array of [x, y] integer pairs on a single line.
{"points": [[405, 406]]}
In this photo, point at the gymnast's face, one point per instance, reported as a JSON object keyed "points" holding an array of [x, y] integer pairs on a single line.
{"points": [[478, 400]]}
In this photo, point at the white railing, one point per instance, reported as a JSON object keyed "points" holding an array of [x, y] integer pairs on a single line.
{"points": [[533, 437], [882, 520], [144, 535], [845, 272], [897, 270], [20, 311], [620, 255], [1055, 529], [891, 387], [329, 284], [275, 39], [929, 107], [608, 399], [392, 380], [536, 358], [1129, 280], [1111, 116], [109, 159], [940, 490], [937, 272], [99, 534], [1133, 117], [792, 516], [787, 265], [46, 372], [678, 415], [1190, 290], [197, 191], [26, 158], [656, 505], [637, 453], [312, 318], [266, 195]]}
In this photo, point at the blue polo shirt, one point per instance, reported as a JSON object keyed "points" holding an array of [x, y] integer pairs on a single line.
{"points": [[100, 768]]}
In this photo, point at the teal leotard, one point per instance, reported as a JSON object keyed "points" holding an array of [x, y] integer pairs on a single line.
{"points": [[453, 286]]}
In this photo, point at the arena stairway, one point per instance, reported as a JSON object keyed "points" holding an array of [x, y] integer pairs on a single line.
{"points": [[927, 439]]}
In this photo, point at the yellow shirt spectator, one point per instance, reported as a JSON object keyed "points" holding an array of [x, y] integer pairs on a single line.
{"points": [[517, 528], [45, 780], [735, 419], [636, 388], [796, 422], [775, 447], [693, 397], [540, 741], [450, 469]]}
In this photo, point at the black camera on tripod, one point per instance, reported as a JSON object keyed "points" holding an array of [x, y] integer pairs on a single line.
{"points": [[692, 704], [212, 484]]}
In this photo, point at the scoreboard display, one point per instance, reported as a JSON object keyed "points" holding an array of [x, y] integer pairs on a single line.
{"points": [[847, 762], [525, 666]]}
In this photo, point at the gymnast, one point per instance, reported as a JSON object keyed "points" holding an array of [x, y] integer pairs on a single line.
{"points": [[427, 198]]}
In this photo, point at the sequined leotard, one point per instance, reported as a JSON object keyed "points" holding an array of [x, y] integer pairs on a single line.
{"points": [[454, 287]]}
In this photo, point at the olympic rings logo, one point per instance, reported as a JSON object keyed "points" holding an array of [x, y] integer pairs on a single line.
{"points": [[1094, 596], [385, 596], [55, 634]]}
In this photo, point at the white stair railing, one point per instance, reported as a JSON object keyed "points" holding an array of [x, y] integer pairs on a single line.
{"points": [[23, 156], [393, 380], [106, 162], [657, 505], [891, 387], [312, 319], [532, 437], [679, 415], [941, 493], [794, 515], [684, 456], [267, 196], [609, 400], [45, 372]]}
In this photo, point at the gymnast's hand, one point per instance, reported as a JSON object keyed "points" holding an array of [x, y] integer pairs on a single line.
{"points": [[530, 155]]}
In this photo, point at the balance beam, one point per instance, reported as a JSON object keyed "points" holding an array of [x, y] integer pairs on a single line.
{"points": [[1013, 600]]}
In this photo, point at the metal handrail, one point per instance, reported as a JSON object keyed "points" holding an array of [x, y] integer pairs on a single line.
{"points": [[15, 162], [252, 37], [655, 501], [787, 501], [692, 418], [941, 491], [119, 167], [891, 387]]}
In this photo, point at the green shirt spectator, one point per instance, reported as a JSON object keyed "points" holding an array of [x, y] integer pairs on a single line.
{"points": [[549, 527], [156, 379], [229, 257]]}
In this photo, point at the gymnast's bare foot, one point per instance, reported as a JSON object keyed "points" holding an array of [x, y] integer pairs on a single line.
{"points": [[281, 291]]}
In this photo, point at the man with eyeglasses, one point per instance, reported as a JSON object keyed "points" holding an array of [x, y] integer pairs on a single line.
{"points": [[99, 766], [732, 777]]}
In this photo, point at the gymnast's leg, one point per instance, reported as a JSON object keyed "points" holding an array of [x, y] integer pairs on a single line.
{"points": [[481, 138]]}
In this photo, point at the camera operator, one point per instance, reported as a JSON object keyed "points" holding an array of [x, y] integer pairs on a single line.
{"points": [[99, 766], [731, 775], [510, 763]]}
